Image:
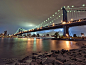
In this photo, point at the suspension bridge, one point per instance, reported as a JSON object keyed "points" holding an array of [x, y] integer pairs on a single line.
{"points": [[64, 18]]}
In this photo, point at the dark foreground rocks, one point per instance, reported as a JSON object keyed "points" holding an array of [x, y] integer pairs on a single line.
{"points": [[63, 57]]}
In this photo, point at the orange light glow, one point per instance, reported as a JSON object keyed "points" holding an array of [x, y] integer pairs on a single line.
{"points": [[69, 22], [63, 22], [37, 28], [67, 35], [71, 19], [40, 27], [30, 39], [53, 24], [79, 20], [68, 44]]}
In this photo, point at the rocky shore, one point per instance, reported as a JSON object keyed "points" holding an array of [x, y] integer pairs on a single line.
{"points": [[55, 57]]}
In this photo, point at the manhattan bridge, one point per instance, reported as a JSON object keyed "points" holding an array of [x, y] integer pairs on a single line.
{"points": [[66, 17]]}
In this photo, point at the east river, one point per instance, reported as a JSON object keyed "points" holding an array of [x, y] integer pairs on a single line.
{"points": [[18, 48]]}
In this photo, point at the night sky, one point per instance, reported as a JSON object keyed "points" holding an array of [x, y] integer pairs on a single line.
{"points": [[27, 14]]}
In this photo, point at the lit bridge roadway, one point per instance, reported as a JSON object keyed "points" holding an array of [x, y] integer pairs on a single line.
{"points": [[79, 22]]}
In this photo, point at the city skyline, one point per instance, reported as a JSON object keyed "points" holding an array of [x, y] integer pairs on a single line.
{"points": [[28, 14]]}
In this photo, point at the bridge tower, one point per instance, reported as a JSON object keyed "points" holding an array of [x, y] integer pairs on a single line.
{"points": [[20, 30], [65, 20]]}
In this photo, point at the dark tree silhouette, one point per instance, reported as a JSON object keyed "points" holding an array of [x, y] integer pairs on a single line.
{"points": [[56, 34]]}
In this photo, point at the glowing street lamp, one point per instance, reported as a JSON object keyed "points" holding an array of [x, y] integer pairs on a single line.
{"points": [[64, 22], [53, 24], [71, 19], [55, 12], [37, 28], [72, 6], [79, 20], [67, 35], [41, 27], [61, 21], [68, 6], [69, 22], [83, 5]]}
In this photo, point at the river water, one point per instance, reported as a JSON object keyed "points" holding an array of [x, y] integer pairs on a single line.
{"points": [[21, 47]]}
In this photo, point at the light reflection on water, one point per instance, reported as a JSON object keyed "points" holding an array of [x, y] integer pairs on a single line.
{"points": [[58, 45], [21, 47]]}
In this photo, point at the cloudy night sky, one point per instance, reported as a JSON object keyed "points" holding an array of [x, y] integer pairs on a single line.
{"points": [[27, 14]]}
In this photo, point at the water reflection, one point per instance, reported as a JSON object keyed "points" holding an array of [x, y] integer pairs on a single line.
{"points": [[34, 44], [21, 47], [67, 45]]}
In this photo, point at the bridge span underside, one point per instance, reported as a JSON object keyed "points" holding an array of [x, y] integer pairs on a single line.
{"points": [[76, 24], [58, 26]]}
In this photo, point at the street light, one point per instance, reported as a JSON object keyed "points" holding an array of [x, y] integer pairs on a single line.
{"points": [[71, 19], [72, 6], [69, 22], [63, 22], [83, 5], [37, 28], [79, 20], [41, 27], [53, 24], [67, 35]]}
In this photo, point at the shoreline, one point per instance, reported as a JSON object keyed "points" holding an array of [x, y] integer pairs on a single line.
{"points": [[55, 57], [62, 39]]}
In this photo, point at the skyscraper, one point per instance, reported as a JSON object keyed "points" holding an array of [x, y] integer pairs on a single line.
{"points": [[5, 32]]}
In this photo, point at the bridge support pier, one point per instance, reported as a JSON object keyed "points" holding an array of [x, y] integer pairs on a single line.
{"points": [[66, 30]]}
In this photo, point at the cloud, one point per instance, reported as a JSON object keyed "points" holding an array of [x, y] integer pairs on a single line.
{"points": [[23, 13]]}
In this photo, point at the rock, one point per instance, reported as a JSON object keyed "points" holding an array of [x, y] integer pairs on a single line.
{"points": [[20, 61], [83, 46], [39, 55], [85, 56], [52, 50], [29, 61], [33, 63], [33, 59], [73, 50], [80, 50], [73, 54], [39, 61], [50, 63], [61, 60], [58, 62], [44, 60], [57, 52], [68, 53], [34, 54], [73, 59], [84, 52], [63, 51], [27, 57], [53, 55], [9, 63]]}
